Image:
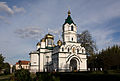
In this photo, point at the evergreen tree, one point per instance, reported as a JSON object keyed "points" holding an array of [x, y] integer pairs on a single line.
{"points": [[109, 58]]}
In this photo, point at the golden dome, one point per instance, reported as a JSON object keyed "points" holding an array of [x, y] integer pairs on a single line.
{"points": [[49, 36], [38, 44], [69, 12], [43, 40], [59, 43]]}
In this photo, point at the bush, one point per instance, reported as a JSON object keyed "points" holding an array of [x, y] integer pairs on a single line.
{"points": [[21, 75], [46, 77]]}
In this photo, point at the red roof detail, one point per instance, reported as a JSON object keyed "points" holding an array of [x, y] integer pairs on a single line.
{"points": [[24, 62]]}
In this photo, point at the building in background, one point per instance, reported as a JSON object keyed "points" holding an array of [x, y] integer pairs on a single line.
{"points": [[22, 64], [68, 55]]}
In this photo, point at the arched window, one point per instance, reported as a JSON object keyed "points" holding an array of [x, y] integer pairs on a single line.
{"points": [[62, 49], [68, 50], [73, 50], [72, 28], [49, 41], [72, 39], [82, 50], [77, 50]]}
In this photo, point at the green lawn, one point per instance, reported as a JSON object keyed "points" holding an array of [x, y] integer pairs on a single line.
{"points": [[77, 76], [91, 76], [5, 77]]}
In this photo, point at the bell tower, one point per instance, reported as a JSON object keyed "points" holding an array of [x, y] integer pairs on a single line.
{"points": [[69, 30]]}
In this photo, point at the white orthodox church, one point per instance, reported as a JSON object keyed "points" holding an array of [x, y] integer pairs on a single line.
{"points": [[68, 55]]}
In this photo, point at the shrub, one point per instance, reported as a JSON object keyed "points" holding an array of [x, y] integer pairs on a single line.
{"points": [[46, 77], [22, 75]]}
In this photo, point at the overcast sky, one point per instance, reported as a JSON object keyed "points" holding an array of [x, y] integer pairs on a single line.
{"points": [[24, 22]]}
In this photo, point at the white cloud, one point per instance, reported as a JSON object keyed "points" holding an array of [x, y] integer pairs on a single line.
{"points": [[18, 10], [103, 37], [96, 17], [4, 8], [5, 11], [2, 18]]}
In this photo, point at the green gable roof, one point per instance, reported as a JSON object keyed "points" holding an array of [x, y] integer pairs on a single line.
{"points": [[69, 19]]}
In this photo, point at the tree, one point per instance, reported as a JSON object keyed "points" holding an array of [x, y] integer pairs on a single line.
{"points": [[1, 62], [109, 58], [86, 41], [7, 68]]}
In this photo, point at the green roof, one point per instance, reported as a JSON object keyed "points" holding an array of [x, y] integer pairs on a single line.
{"points": [[69, 20]]}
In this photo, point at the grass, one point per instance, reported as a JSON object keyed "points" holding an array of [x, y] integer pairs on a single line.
{"points": [[112, 75], [5, 77], [96, 75]]}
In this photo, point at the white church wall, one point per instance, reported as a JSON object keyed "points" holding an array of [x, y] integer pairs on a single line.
{"points": [[41, 62], [34, 69], [83, 65], [42, 44], [34, 59]]}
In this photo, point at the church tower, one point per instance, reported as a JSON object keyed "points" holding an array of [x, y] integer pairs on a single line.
{"points": [[69, 30]]}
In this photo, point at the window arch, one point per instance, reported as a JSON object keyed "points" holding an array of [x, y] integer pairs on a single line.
{"points": [[72, 28], [68, 50], [82, 50], [77, 50], [72, 38], [73, 49], [62, 49]]}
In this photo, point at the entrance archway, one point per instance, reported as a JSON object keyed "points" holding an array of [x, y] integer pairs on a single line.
{"points": [[73, 64]]}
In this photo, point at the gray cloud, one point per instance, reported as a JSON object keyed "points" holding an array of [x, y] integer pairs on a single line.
{"points": [[30, 32]]}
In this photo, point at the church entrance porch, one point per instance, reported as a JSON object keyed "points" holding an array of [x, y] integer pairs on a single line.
{"points": [[73, 64]]}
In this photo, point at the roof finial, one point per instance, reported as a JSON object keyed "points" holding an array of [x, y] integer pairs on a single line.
{"points": [[69, 12]]}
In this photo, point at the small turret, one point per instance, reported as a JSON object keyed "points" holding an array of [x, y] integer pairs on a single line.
{"points": [[59, 43]]}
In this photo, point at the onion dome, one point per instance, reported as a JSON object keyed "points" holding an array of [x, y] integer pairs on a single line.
{"points": [[43, 40], [49, 36], [38, 44], [59, 43]]}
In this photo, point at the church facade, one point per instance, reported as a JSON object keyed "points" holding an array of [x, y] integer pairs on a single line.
{"points": [[68, 55]]}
